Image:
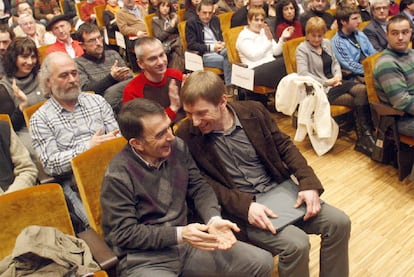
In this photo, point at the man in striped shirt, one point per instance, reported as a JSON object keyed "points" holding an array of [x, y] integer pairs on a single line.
{"points": [[394, 72]]}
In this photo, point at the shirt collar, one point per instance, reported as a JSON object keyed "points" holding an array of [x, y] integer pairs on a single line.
{"points": [[147, 164]]}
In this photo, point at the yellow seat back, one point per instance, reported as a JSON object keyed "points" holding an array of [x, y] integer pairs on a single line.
{"points": [[89, 168], [42, 205]]}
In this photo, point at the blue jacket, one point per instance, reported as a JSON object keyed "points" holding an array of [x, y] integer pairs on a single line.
{"points": [[348, 53]]}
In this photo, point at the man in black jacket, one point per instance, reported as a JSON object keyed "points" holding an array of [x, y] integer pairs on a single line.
{"points": [[204, 36]]}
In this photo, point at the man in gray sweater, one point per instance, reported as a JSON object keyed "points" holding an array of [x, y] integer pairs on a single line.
{"points": [[149, 189], [101, 71]]}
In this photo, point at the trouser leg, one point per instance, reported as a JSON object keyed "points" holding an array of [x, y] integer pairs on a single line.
{"points": [[334, 227], [291, 244], [242, 260]]}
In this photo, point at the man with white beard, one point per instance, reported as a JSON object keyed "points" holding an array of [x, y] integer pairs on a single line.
{"points": [[69, 123]]}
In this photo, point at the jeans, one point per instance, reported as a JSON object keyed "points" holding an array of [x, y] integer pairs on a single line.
{"points": [[219, 60]]}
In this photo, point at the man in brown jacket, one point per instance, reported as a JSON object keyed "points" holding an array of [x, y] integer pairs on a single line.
{"points": [[130, 21], [242, 152]]}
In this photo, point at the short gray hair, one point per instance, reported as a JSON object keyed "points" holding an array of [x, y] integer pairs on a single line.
{"points": [[24, 15], [144, 41], [46, 71], [372, 2]]}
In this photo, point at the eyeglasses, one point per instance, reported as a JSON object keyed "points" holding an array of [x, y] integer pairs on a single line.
{"points": [[94, 40]]}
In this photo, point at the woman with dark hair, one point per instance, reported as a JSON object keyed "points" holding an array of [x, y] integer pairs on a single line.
{"points": [[19, 88], [287, 14], [164, 27], [257, 49], [190, 7]]}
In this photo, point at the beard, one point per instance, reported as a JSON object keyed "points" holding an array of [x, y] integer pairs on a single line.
{"points": [[68, 94]]}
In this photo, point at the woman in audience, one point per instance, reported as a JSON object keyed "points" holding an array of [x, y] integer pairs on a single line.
{"points": [[315, 58], [109, 17], [164, 27], [19, 88], [153, 4], [287, 14], [257, 48], [190, 7]]}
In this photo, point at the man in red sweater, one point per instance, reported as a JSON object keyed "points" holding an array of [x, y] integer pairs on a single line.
{"points": [[156, 82]]}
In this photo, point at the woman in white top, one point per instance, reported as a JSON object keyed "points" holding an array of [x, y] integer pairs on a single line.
{"points": [[257, 49]]}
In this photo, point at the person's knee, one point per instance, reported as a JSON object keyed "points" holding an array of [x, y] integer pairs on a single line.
{"points": [[341, 225]]}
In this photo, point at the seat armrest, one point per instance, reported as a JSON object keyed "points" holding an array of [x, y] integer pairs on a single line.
{"points": [[241, 64], [386, 110], [101, 252]]}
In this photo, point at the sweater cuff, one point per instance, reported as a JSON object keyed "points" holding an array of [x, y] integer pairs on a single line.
{"points": [[171, 114]]}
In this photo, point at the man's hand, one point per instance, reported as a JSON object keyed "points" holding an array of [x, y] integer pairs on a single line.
{"points": [[259, 217], [313, 203], [20, 96], [218, 46], [119, 73], [49, 16], [196, 235], [175, 103], [141, 34], [223, 230], [98, 138]]}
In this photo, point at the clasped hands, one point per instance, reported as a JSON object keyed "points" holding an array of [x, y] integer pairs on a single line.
{"points": [[217, 235]]}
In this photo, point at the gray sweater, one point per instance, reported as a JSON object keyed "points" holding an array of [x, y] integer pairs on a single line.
{"points": [[94, 74]]}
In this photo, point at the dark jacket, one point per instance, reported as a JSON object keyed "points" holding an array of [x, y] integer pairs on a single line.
{"points": [[376, 35], [279, 155], [194, 32], [239, 18]]}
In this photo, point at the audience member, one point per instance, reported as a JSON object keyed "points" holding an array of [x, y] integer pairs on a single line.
{"points": [[287, 14], [6, 37], [318, 8], [17, 169], [190, 7], [130, 21], [204, 36], [375, 30], [69, 9], [109, 16], [242, 153], [239, 18], [61, 28], [394, 8], [257, 48], [407, 9], [153, 5], [350, 45], [37, 32], [224, 6], [394, 72], [315, 58], [87, 13], [144, 207], [101, 71], [69, 123], [164, 27], [364, 9], [45, 10], [19, 88], [156, 82], [22, 7]]}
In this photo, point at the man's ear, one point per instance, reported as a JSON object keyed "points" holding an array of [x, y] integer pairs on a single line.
{"points": [[137, 144]]}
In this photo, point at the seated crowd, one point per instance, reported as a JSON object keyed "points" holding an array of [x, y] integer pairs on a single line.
{"points": [[226, 152]]}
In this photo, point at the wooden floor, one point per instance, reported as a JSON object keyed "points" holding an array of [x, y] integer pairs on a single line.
{"points": [[381, 208]]}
